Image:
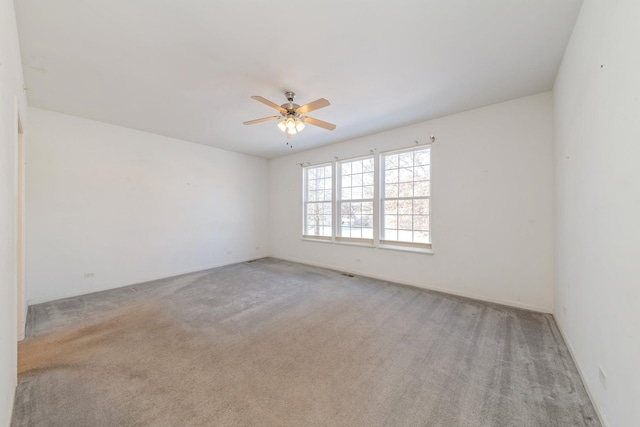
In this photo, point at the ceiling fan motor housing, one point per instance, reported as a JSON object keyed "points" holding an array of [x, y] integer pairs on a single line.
{"points": [[290, 107]]}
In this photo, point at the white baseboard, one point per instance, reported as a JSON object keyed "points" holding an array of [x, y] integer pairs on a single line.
{"points": [[11, 403], [54, 297], [431, 288], [23, 324], [583, 377]]}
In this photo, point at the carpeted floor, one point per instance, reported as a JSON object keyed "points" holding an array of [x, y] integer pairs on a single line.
{"points": [[274, 343]]}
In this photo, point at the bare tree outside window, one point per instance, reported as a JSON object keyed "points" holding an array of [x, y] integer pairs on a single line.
{"points": [[356, 192], [318, 201], [383, 201], [405, 196]]}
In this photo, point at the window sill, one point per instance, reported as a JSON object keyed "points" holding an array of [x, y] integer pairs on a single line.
{"points": [[311, 239], [352, 243], [387, 247], [424, 251]]}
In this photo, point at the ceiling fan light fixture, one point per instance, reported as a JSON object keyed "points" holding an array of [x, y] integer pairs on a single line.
{"points": [[282, 126], [290, 123], [299, 125]]}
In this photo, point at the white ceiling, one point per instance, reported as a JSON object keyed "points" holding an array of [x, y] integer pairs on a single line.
{"points": [[186, 69]]}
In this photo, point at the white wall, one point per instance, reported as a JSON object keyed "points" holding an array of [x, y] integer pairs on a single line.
{"points": [[129, 206], [10, 92], [492, 216], [597, 199]]}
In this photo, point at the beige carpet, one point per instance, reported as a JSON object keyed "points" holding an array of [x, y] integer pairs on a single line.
{"points": [[273, 343]]}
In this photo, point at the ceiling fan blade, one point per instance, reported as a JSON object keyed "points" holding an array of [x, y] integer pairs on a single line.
{"points": [[315, 105], [320, 123], [264, 119], [269, 103]]}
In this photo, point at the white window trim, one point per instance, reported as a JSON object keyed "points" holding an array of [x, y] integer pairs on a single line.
{"points": [[378, 217], [338, 201], [305, 202], [395, 244]]}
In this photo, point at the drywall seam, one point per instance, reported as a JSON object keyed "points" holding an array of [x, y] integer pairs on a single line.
{"points": [[447, 291], [583, 377]]}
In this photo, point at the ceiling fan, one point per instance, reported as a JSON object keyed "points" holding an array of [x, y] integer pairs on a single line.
{"points": [[291, 114]]}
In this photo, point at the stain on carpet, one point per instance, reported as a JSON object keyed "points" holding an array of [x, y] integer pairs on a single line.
{"points": [[273, 343]]}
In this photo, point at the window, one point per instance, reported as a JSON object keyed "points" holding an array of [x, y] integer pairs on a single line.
{"points": [[405, 197], [318, 201], [355, 199], [381, 201]]}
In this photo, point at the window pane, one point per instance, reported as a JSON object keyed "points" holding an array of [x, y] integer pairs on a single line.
{"points": [[406, 189], [391, 176], [356, 193], [356, 167], [405, 160], [421, 207], [318, 204], [367, 192], [421, 222], [421, 173], [422, 158], [405, 207], [390, 206], [367, 178], [356, 186], [405, 222], [421, 188], [405, 235], [421, 236], [390, 234], [391, 221], [406, 175], [327, 209], [390, 191], [391, 161]]}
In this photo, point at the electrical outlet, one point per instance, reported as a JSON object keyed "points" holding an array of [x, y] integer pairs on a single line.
{"points": [[88, 275], [603, 377]]}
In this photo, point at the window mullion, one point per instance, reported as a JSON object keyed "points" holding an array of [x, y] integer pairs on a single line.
{"points": [[305, 177], [377, 184], [335, 199]]}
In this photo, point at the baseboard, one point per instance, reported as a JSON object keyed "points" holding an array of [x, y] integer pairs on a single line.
{"points": [[54, 297], [12, 399], [583, 377], [430, 288], [23, 324]]}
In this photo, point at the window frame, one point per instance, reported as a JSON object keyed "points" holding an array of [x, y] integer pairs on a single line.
{"points": [[378, 204], [338, 201], [382, 198], [305, 201]]}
